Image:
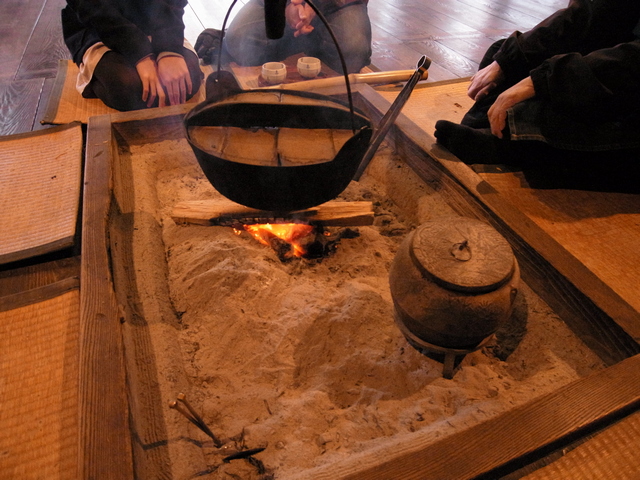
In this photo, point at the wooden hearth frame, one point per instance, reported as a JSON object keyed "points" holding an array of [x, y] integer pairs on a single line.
{"points": [[489, 450]]}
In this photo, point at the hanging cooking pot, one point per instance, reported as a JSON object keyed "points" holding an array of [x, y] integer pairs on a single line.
{"points": [[284, 150], [270, 149]]}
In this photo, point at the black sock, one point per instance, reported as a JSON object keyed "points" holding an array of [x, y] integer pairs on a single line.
{"points": [[469, 144]]}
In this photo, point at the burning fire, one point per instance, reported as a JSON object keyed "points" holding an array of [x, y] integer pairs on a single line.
{"points": [[290, 233]]}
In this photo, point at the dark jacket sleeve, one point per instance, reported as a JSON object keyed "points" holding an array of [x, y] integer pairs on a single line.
{"points": [[583, 59], [561, 32], [600, 86], [124, 26], [166, 25]]}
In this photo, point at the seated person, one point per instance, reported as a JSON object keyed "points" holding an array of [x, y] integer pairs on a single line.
{"points": [[131, 53], [246, 42], [567, 89]]}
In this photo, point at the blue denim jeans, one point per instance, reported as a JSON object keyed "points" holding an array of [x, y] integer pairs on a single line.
{"points": [[246, 41]]}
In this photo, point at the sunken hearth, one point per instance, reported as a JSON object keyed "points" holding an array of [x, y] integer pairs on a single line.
{"points": [[299, 362]]}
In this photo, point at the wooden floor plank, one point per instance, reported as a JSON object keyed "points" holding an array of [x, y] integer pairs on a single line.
{"points": [[536, 9], [403, 30], [192, 25], [474, 18], [19, 100], [447, 58], [17, 20], [46, 45], [522, 21], [47, 88], [397, 56], [211, 13]]}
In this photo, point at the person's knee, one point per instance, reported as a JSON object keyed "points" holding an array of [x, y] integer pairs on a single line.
{"points": [[117, 84], [357, 52], [247, 44], [126, 93], [193, 64]]}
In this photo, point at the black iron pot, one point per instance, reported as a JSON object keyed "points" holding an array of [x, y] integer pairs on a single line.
{"points": [[280, 188]]}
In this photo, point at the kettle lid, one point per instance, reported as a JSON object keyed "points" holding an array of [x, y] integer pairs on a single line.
{"points": [[463, 254]]}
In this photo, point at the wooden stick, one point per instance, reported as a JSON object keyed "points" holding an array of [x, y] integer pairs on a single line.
{"points": [[372, 78], [194, 418], [227, 213]]}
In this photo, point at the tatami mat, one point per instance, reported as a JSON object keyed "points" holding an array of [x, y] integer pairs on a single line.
{"points": [[39, 389], [66, 105], [612, 454], [40, 194]]}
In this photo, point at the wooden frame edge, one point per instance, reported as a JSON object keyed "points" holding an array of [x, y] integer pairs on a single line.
{"points": [[104, 449], [596, 400]]}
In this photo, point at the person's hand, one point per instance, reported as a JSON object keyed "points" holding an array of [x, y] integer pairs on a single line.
{"points": [[151, 86], [175, 77], [497, 114], [208, 45], [299, 16], [485, 80]]}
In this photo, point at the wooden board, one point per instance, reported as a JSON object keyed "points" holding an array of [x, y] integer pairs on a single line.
{"points": [[430, 102], [594, 401], [104, 435], [48, 162], [270, 147], [216, 212], [19, 104], [46, 45], [15, 40]]}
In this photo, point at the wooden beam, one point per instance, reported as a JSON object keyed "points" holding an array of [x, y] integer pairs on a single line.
{"points": [[105, 442], [227, 213]]}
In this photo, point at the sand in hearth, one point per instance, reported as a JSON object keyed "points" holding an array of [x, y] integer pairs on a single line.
{"points": [[304, 357]]}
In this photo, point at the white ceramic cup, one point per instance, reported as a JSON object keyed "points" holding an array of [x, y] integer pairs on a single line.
{"points": [[309, 67], [274, 72]]}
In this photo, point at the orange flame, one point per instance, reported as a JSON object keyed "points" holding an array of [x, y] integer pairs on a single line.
{"points": [[288, 232]]}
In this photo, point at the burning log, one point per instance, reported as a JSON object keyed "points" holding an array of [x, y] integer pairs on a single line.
{"points": [[291, 240], [228, 213], [301, 233]]}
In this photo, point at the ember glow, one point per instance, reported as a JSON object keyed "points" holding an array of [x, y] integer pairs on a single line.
{"points": [[290, 233]]}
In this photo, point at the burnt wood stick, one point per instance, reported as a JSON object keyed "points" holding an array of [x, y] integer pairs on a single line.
{"points": [[227, 213], [196, 420], [204, 427]]}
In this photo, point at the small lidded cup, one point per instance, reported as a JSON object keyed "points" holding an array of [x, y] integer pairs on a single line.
{"points": [[309, 67], [274, 72]]}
